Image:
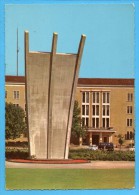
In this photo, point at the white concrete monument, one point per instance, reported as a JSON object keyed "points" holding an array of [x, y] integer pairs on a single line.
{"points": [[51, 80]]}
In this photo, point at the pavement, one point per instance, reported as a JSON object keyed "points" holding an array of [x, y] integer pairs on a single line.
{"points": [[91, 165]]}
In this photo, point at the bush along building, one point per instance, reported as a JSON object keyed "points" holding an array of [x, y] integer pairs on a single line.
{"points": [[107, 107]]}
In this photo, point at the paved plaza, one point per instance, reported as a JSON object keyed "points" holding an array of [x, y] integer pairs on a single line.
{"points": [[91, 165]]}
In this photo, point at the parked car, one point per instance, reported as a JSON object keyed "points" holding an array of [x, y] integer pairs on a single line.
{"points": [[107, 146], [93, 147]]}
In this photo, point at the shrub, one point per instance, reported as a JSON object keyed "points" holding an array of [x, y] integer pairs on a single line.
{"points": [[102, 155], [16, 153], [23, 144]]}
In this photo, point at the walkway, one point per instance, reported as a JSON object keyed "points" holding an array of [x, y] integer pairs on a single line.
{"points": [[92, 165]]}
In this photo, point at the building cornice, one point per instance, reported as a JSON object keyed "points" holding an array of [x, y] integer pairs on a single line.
{"points": [[82, 82]]}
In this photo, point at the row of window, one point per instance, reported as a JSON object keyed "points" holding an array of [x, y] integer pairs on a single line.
{"points": [[96, 102], [95, 97], [15, 94], [85, 97], [105, 110], [105, 97], [105, 122], [96, 110], [95, 122]]}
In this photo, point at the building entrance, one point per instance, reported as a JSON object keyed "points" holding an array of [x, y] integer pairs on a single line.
{"points": [[95, 139], [105, 139]]}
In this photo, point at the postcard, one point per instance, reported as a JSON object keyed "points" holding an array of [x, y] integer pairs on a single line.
{"points": [[70, 96]]}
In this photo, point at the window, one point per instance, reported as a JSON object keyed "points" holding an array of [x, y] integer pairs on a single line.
{"points": [[85, 121], [95, 97], [5, 94], [16, 105], [129, 135], [85, 109], [105, 140], [106, 97], [129, 122], [85, 97], [129, 109], [130, 97], [95, 122], [105, 122], [95, 109], [105, 109], [16, 94]]}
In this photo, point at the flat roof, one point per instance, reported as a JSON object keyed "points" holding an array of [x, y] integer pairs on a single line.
{"points": [[15, 79], [82, 81], [105, 81]]}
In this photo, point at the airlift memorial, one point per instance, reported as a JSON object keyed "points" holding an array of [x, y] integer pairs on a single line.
{"points": [[51, 80]]}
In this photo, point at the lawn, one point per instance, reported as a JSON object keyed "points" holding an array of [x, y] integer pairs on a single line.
{"points": [[69, 178]]}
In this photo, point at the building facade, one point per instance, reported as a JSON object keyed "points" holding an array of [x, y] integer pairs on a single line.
{"points": [[107, 107]]}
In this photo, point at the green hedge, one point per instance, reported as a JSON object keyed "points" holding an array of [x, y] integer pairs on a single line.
{"points": [[17, 144], [16, 153], [102, 155], [79, 154]]}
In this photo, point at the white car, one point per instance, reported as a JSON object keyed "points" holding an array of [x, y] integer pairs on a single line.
{"points": [[93, 147], [132, 148]]}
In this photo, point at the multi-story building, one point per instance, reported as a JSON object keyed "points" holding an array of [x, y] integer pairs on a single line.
{"points": [[15, 90], [107, 106], [107, 109]]}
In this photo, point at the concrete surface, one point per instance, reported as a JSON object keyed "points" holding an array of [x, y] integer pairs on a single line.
{"points": [[51, 80], [92, 165]]}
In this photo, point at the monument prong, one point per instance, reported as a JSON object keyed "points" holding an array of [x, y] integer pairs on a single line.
{"points": [[81, 46], [54, 43], [50, 94], [26, 49], [75, 80], [26, 42]]}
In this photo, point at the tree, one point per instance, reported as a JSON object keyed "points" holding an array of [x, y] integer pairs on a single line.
{"points": [[15, 121], [77, 129], [120, 140]]}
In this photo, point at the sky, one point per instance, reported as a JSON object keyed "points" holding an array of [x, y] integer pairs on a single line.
{"points": [[109, 30]]}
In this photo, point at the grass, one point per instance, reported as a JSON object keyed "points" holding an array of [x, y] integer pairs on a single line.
{"points": [[17, 178]]}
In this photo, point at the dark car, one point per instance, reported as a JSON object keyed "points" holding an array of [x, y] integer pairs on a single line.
{"points": [[106, 146]]}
